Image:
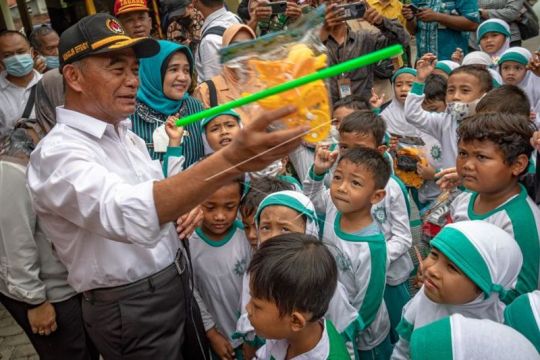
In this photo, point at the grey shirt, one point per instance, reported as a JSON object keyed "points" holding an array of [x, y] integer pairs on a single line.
{"points": [[29, 270], [358, 43]]}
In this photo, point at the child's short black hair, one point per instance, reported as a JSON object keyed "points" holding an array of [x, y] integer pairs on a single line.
{"points": [[512, 133], [297, 272], [435, 88], [508, 99], [364, 122], [258, 189], [478, 71], [353, 102], [372, 161]]}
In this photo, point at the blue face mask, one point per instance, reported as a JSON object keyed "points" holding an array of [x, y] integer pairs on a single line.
{"points": [[52, 62], [19, 65]]}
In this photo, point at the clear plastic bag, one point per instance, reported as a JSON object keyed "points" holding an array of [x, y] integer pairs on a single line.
{"points": [[282, 56], [407, 155]]}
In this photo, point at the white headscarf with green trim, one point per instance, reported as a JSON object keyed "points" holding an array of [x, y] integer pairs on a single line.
{"points": [[523, 314], [293, 200], [460, 338], [487, 255], [498, 26]]}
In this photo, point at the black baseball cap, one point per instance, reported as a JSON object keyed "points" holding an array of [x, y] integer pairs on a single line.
{"points": [[98, 34], [174, 8]]}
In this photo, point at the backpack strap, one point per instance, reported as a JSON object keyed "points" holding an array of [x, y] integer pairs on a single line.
{"points": [[215, 30], [30, 103], [212, 92]]}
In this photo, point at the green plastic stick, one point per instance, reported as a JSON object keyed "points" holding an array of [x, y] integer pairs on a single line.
{"points": [[335, 70]]}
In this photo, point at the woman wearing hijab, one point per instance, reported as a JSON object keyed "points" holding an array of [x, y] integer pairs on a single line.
{"points": [[226, 84], [163, 91]]}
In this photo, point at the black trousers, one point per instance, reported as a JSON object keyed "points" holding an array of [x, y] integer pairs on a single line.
{"points": [[69, 341], [142, 320]]}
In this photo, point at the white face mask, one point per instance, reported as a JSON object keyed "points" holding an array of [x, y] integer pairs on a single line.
{"points": [[460, 110]]}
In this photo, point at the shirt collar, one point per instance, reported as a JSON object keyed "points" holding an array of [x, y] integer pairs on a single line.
{"points": [[88, 124], [4, 82]]}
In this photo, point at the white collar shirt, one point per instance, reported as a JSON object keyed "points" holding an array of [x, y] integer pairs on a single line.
{"points": [[207, 62], [92, 187], [13, 99]]}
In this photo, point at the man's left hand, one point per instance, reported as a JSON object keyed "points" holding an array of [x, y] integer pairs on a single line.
{"points": [[187, 223], [42, 319], [373, 17], [40, 64], [428, 15], [294, 11]]}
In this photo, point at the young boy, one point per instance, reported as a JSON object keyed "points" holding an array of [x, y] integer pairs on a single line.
{"points": [[220, 254], [466, 86], [219, 130], [435, 93], [292, 321], [363, 128], [493, 153], [358, 183]]}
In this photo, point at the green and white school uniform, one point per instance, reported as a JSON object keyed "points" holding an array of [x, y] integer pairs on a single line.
{"points": [[441, 126], [218, 268], [340, 312], [519, 217], [460, 338], [488, 256], [361, 260], [330, 347], [523, 314]]}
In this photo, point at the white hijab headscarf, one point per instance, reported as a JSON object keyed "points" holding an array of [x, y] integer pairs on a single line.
{"points": [[394, 114], [477, 58], [487, 255], [460, 338]]}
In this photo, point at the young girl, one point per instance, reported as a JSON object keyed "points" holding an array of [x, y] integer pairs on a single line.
{"points": [[494, 38], [471, 264], [292, 212], [220, 254], [459, 338], [466, 86], [513, 68], [445, 67]]}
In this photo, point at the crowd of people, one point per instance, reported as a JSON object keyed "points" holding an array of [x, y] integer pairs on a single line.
{"points": [[412, 232]]}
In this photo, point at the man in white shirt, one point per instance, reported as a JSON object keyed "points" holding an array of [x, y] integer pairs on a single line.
{"points": [[17, 80], [105, 205], [216, 20]]}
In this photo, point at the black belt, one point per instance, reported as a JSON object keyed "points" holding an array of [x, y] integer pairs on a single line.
{"points": [[151, 282]]}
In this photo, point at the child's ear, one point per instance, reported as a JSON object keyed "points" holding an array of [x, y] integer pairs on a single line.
{"points": [[520, 164], [377, 196], [382, 148], [297, 321]]}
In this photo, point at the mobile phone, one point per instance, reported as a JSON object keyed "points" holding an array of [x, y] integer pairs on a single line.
{"points": [[278, 7], [353, 11], [416, 8]]}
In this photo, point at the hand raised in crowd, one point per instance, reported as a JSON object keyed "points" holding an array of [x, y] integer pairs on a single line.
{"points": [[294, 11], [427, 15], [324, 159], [426, 172], [174, 132], [372, 16], [40, 64], [262, 11], [334, 16], [457, 56], [187, 223], [407, 12], [534, 64], [448, 179], [535, 140], [42, 319], [425, 66], [375, 100], [221, 346]]}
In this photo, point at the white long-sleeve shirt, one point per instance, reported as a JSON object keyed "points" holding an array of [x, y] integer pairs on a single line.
{"points": [[439, 125], [92, 187]]}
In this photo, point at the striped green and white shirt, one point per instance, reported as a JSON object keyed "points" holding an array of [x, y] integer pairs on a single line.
{"points": [[145, 120]]}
